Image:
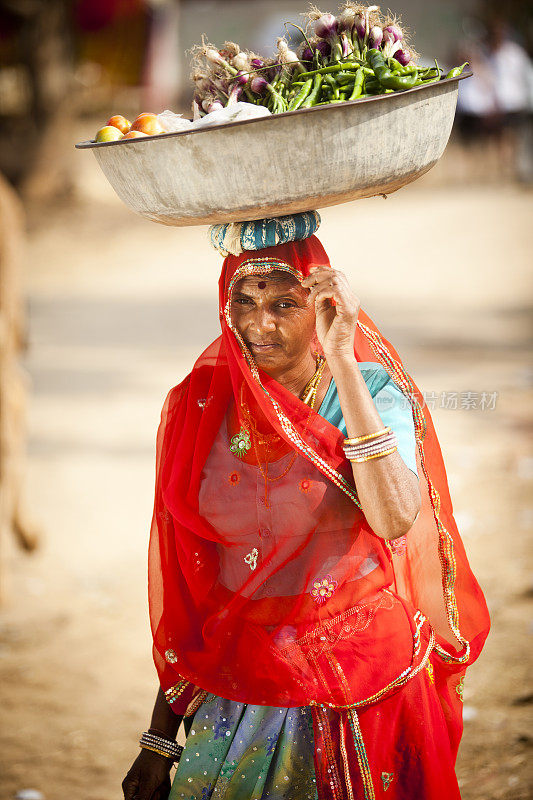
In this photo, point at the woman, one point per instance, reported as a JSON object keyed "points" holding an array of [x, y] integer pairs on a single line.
{"points": [[312, 608]]}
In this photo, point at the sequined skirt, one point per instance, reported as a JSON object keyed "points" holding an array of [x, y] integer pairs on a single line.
{"points": [[245, 752]]}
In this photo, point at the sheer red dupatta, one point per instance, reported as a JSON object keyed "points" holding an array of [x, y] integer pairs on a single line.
{"points": [[245, 633]]}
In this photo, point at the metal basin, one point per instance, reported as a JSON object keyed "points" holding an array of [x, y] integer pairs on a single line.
{"points": [[298, 161]]}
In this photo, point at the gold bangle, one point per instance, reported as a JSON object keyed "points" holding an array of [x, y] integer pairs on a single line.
{"points": [[368, 436], [375, 455], [155, 750]]}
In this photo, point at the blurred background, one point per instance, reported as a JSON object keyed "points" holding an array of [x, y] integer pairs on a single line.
{"points": [[101, 312]]}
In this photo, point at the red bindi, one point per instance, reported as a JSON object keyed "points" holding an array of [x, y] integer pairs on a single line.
{"points": [[261, 284]]}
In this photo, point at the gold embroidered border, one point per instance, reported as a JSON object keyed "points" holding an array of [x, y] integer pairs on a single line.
{"points": [[195, 704], [345, 761], [404, 676], [174, 692], [364, 767], [334, 776], [445, 547], [309, 637]]}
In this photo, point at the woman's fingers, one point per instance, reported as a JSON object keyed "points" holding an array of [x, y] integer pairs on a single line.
{"points": [[329, 278], [163, 791], [328, 297], [148, 774], [319, 274], [129, 786], [332, 289], [144, 787]]}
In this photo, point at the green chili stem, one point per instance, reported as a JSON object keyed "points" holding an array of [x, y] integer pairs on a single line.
{"points": [[301, 31]]}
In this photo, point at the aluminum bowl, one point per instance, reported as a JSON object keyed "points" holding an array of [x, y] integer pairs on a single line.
{"points": [[298, 161]]}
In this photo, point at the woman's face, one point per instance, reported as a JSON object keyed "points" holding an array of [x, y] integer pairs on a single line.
{"points": [[272, 316]]}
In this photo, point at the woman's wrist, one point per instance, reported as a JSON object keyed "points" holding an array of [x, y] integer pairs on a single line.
{"points": [[164, 734], [340, 360], [164, 719]]}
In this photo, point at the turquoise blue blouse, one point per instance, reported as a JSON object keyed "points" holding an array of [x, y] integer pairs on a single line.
{"points": [[393, 407]]}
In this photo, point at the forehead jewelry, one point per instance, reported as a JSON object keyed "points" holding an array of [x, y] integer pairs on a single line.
{"points": [[261, 285]]}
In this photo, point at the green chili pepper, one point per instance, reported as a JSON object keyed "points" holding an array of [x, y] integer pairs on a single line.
{"points": [[346, 65], [430, 79], [332, 83], [344, 78], [301, 96], [456, 71], [371, 83], [314, 94], [377, 62], [409, 69], [386, 78], [358, 85], [399, 82], [321, 71], [431, 72]]}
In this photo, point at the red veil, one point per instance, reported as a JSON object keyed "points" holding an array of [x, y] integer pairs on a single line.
{"points": [[274, 590]]}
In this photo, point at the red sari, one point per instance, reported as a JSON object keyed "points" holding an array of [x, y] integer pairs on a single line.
{"points": [[378, 653]]}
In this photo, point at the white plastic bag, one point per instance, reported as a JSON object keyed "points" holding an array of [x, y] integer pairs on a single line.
{"points": [[174, 123], [234, 113]]}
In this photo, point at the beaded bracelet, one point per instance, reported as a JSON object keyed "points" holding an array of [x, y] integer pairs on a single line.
{"points": [[386, 442], [366, 437], [382, 444], [174, 757], [361, 449], [169, 745], [163, 734], [165, 747], [155, 750], [374, 455]]}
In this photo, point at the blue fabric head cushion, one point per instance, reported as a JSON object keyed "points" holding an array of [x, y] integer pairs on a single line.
{"points": [[236, 237]]}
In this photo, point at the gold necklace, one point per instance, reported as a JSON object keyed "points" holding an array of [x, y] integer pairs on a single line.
{"points": [[311, 387]]}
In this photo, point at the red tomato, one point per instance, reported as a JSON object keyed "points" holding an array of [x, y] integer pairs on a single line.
{"points": [[134, 134], [120, 122], [147, 123]]}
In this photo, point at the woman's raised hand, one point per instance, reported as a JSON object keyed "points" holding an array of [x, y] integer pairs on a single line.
{"points": [[148, 777], [335, 322]]}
